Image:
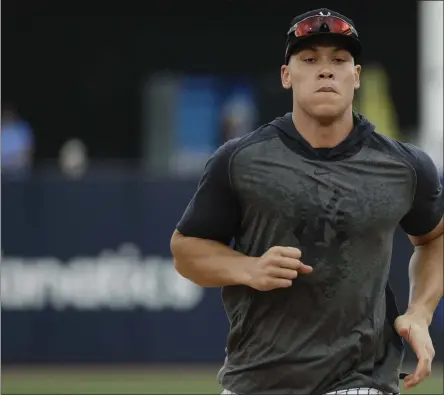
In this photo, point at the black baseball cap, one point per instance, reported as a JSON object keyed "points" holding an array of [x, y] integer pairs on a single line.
{"points": [[322, 25]]}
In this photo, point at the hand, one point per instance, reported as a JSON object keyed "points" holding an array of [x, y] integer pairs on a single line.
{"points": [[414, 329], [277, 268]]}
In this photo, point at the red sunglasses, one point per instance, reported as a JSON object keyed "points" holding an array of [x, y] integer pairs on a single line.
{"points": [[317, 24]]}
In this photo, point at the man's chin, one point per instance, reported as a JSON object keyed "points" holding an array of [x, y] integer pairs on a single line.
{"points": [[326, 114]]}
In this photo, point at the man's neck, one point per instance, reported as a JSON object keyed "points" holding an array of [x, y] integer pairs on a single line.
{"points": [[320, 135]]}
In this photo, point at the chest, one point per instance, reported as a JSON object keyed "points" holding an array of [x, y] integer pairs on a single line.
{"points": [[357, 195]]}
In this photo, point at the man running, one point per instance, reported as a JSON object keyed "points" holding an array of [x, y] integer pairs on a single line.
{"points": [[312, 200]]}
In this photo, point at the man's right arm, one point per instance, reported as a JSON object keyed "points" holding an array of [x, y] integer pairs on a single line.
{"points": [[200, 244], [209, 263]]}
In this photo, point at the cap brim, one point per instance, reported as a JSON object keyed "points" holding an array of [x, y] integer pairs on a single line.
{"points": [[349, 43]]}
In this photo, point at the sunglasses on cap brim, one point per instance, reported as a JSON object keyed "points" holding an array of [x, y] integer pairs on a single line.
{"points": [[322, 24]]}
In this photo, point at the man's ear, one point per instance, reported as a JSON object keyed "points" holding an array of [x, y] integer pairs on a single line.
{"points": [[285, 77], [357, 76]]}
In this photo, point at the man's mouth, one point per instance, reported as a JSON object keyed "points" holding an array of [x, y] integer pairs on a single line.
{"points": [[327, 89]]}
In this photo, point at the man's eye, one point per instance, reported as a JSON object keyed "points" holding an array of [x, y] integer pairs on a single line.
{"points": [[339, 60], [309, 60]]}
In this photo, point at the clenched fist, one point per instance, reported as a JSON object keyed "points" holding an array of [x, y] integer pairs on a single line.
{"points": [[277, 268]]}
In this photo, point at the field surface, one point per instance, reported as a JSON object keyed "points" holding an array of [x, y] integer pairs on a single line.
{"points": [[136, 380]]}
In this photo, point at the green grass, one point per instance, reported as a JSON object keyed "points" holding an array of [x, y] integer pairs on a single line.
{"points": [[135, 380]]}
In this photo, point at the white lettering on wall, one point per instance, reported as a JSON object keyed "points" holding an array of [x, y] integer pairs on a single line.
{"points": [[121, 280]]}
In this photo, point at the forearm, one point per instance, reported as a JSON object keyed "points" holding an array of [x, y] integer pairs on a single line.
{"points": [[208, 263], [426, 278]]}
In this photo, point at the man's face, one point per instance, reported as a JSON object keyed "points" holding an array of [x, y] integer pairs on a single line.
{"points": [[323, 79]]}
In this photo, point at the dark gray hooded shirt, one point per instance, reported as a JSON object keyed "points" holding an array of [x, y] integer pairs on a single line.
{"points": [[332, 329]]}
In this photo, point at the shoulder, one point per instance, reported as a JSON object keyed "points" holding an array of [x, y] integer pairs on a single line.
{"points": [[263, 133], [233, 147], [408, 153]]}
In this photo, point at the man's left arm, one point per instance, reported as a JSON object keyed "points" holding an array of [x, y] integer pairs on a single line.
{"points": [[424, 226], [426, 273]]}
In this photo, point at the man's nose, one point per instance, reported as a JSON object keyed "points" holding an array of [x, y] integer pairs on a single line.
{"points": [[326, 75]]}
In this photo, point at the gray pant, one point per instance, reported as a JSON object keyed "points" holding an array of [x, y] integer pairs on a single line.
{"points": [[352, 391]]}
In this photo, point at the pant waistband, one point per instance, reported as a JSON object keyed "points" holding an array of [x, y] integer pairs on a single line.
{"points": [[358, 391], [352, 391]]}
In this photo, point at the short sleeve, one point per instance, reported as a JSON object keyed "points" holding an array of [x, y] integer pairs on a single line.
{"points": [[213, 213], [428, 203]]}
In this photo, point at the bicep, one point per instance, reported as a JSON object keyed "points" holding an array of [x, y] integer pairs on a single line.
{"points": [[427, 208], [428, 237], [213, 213]]}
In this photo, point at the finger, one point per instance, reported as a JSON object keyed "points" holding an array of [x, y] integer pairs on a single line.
{"points": [[279, 272], [294, 264], [416, 376], [408, 378], [411, 382], [422, 366], [408, 381], [290, 252], [279, 283], [422, 370], [288, 263], [305, 269]]}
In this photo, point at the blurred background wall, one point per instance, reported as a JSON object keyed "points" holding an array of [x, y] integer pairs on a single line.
{"points": [[109, 113]]}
